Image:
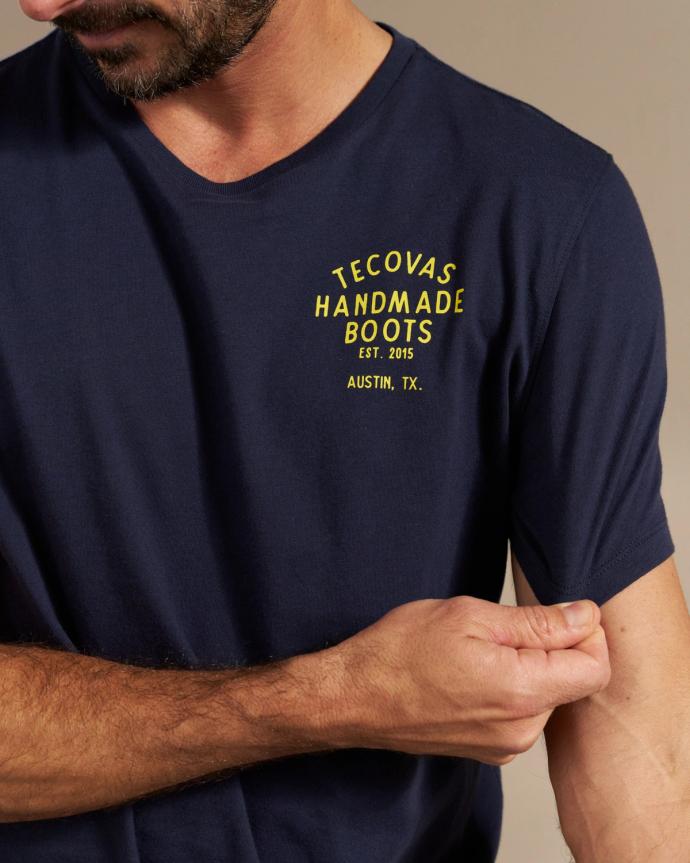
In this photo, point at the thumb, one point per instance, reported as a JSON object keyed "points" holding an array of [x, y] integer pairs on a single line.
{"points": [[560, 676], [549, 627]]}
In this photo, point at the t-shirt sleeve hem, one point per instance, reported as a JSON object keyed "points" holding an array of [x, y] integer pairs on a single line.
{"points": [[630, 564], [604, 582]]}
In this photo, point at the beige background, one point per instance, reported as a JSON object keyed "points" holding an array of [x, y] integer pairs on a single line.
{"points": [[617, 74]]}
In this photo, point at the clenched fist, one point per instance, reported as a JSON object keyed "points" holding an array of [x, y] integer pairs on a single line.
{"points": [[466, 677]]}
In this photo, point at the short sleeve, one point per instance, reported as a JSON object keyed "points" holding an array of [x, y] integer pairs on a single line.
{"points": [[586, 513]]}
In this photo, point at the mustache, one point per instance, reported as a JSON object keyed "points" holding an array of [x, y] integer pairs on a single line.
{"points": [[99, 18]]}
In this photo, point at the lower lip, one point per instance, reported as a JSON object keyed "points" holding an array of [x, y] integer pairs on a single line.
{"points": [[93, 40]]}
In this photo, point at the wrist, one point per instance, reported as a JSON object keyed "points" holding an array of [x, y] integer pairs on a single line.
{"points": [[327, 709], [287, 707]]}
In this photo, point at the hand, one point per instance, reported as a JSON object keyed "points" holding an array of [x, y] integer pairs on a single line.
{"points": [[466, 677]]}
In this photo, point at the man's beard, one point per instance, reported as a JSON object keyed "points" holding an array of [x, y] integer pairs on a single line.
{"points": [[204, 37]]}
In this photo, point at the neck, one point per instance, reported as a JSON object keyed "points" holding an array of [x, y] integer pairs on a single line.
{"points": [[299, 72]]}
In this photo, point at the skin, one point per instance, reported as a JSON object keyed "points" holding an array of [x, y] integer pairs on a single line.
{"points": [[619, 758], [294, 65], [231, 86], [459, 676]]}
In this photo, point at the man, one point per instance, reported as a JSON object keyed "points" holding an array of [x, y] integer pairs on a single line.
{"points": [[298, 326]]}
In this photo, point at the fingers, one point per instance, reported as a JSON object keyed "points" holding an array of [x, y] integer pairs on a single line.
{"points": [[563, 675], [595, 646], [545, 627]]}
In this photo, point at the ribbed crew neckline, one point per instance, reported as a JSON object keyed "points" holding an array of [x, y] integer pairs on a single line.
{"points": [[364, 103]]}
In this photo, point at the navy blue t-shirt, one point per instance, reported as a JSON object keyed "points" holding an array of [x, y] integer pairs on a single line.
{"points": [[241, 421]]}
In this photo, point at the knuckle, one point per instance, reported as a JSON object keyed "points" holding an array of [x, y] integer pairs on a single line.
{"points": [[539, 620], [504, 758], [515, 738], [525, 737], [460, 605], [461, 601]]}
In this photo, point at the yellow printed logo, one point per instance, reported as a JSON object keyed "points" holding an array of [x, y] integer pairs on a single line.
{"points": [[376, 319]]}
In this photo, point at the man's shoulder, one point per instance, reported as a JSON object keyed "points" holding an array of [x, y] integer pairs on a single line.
{"points": [[503, 137]]}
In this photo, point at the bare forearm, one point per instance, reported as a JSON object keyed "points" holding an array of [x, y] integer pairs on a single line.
{"points": [[627, 800], [79, 733]]}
